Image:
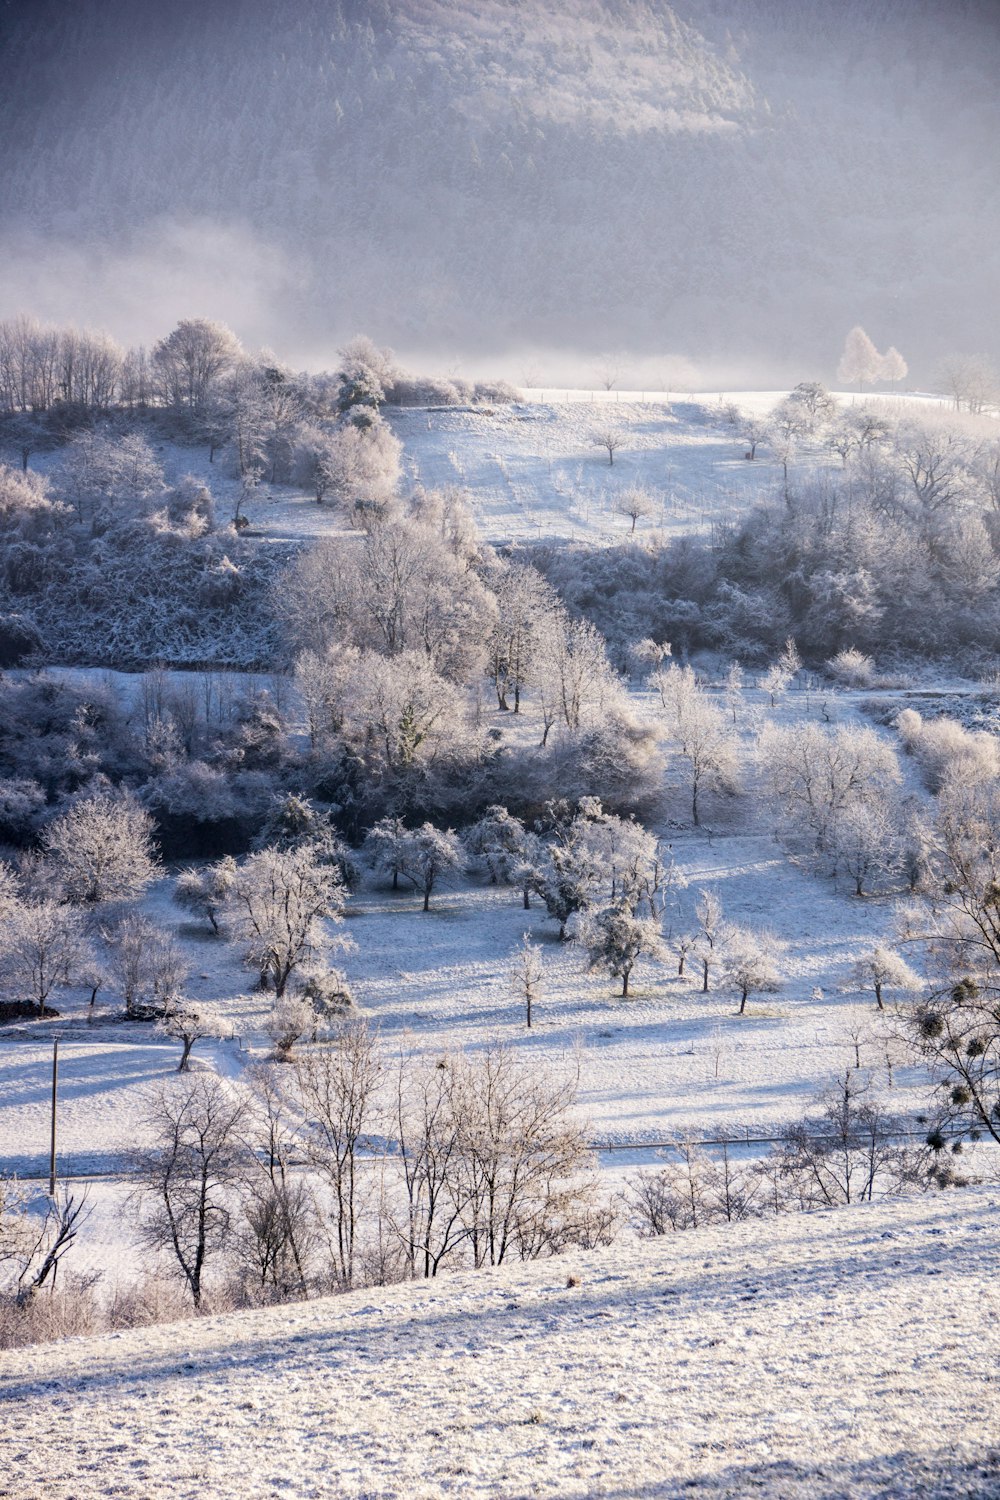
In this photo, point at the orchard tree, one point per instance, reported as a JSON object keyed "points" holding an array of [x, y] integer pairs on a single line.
{"points": [[750, 962], [101, 849], [292, 1018], [191, 1023], [708, 910], [279, 902], [42, 948], [525, 976], [615, 940], [611, 439], [635, 503], [428, 856], [860, 360], [883, 969], [205, 892]]}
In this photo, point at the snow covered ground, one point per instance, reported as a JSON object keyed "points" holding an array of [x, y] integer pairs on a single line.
{"points": [[847, 1354], [535, 469]]}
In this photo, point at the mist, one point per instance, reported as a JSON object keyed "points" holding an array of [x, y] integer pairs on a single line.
{"points": [[713, 193]]}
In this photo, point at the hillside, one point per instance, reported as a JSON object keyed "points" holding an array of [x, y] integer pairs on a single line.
{"points": [[840, 1354], [720, 186]]}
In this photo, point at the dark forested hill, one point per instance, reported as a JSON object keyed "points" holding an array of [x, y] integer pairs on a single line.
{"points": [[731, 181]]}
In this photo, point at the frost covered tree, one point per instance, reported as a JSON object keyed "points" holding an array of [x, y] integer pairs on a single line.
{"points": [[204, 892], [573, 676], [814, 773], [860, 360], [292, 1017], [525, 976], [101, 849], [145, 965], [428, 857], [864, 840], [699, 731], [708, 910], [814, 403], [635, 503], [339, 1089], [190, 1023], [750, 962], [883, 969], [105, 476], [277, 907], [42, 948], [781, 674], [616, 939], [752, 430], [610, 439], [892, 366], [190, 358], [523, 599], [508, 850]]}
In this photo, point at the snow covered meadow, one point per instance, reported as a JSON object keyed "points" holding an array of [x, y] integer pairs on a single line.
{"points": [[848, 1353]]}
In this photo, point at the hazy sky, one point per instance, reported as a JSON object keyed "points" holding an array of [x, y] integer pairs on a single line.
{"points": [[716, 190]]}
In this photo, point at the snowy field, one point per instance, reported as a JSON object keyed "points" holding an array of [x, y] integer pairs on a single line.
{"points": [[846, 1354], [536, 469]]}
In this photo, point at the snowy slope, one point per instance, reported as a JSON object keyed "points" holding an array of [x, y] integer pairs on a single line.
{"points": [[844, 1354]]}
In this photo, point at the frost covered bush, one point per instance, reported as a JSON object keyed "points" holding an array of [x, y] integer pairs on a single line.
{"points": [[946, 751], [853, 668]]}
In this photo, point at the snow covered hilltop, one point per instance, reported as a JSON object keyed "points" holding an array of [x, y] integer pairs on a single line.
{"points": [[849, 1353]]}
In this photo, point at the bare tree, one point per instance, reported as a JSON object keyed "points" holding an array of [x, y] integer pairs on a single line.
{"points": [[339, 1087], [185, 1181], [33, 1245], [611, 439]]}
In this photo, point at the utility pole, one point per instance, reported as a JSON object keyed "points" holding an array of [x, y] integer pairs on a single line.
{"points": [[52, 1138]]}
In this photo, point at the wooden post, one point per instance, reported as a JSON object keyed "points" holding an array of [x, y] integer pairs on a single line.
{"points": [[52, 1139]]}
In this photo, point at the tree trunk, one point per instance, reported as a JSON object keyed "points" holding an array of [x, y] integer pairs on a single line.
{"points": [[878, 994], [743, 1002], [694, 802], [625, 974], [427, 900], [704, 976], [184, 1065]]}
